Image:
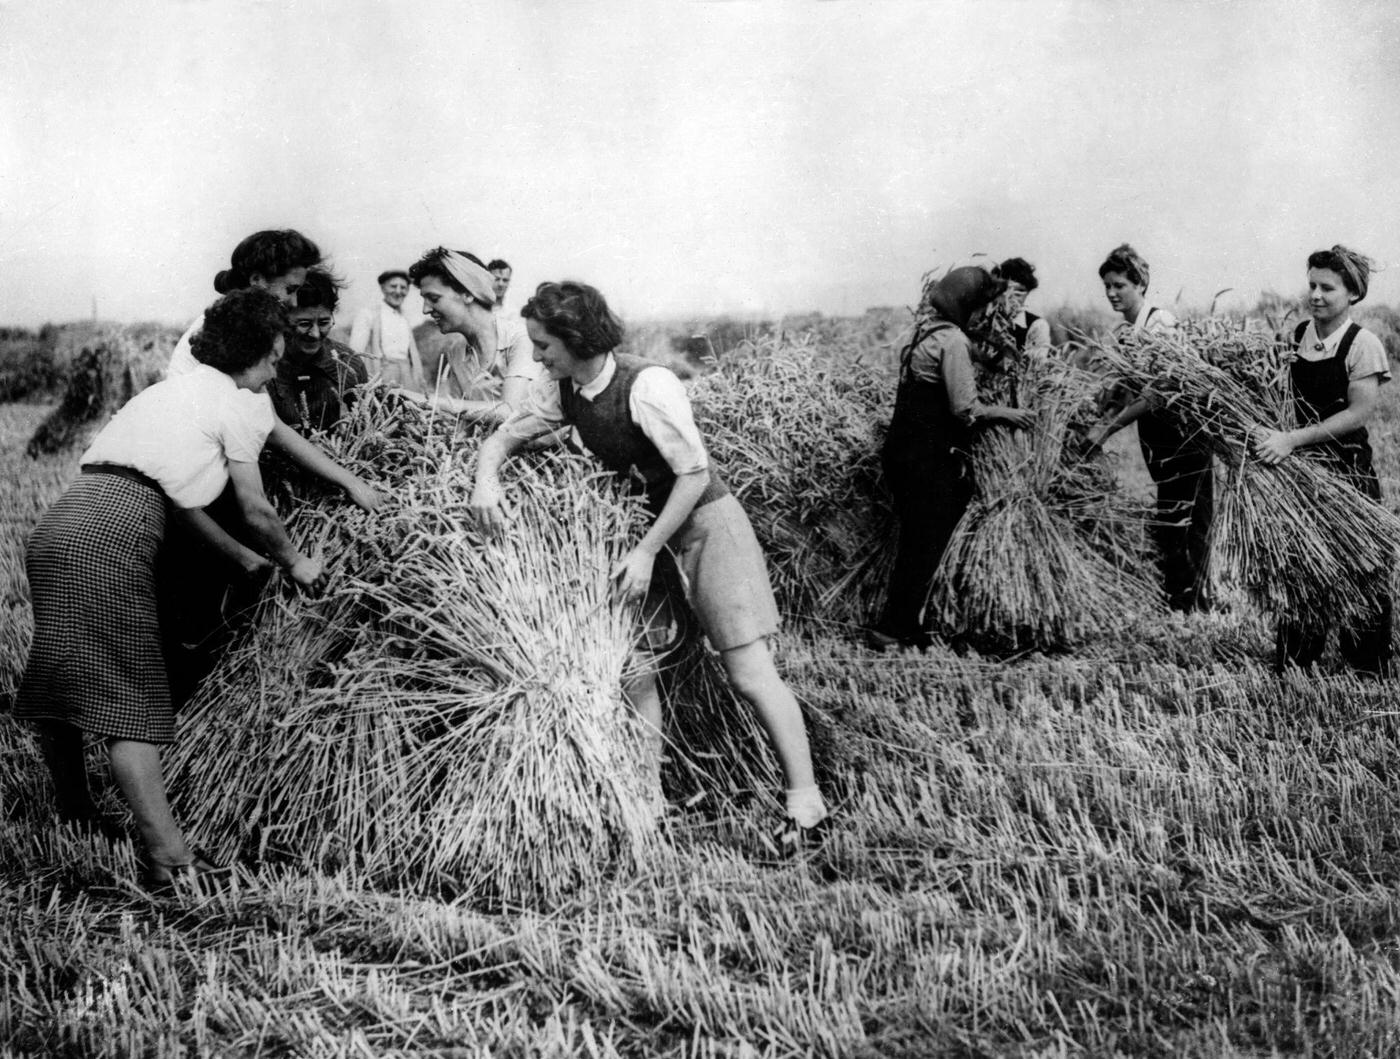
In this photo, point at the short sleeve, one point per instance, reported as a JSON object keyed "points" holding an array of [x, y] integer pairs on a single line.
{"points": [[541, 408], [1367, 357], [246, 420], [660, 407], [517, 358]]}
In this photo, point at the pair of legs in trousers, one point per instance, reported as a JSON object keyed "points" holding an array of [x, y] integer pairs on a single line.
{"points": [[1185, 507]]}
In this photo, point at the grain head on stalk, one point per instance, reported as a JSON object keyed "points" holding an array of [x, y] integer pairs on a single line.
{"points": [[449, 714]]}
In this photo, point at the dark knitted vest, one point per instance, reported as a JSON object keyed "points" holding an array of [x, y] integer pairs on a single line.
{"points": [[605, 425]]}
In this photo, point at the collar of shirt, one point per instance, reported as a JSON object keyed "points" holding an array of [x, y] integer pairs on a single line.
{"points": [[1020, 319], [324, 362], [591, 390], [1330, 343]]}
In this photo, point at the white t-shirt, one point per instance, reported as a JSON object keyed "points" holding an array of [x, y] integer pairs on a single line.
{"points": [[658, 404], [183, 431], [182, 360], [1365, 358]]}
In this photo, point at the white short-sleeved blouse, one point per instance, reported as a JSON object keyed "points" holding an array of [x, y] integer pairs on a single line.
{"points": [[183, 431]]}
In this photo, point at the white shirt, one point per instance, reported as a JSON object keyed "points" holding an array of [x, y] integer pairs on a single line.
{"points": [[1150, 319], [658, 405], [1365, 358], [182, 359], [1038, 334], [514, 359], [183, 431], [395, 336]]}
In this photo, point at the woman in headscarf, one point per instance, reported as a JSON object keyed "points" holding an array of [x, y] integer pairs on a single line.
{"points": [[459, 295], [1337, 374], [96, 666], [1179, 465], [936, 409]]}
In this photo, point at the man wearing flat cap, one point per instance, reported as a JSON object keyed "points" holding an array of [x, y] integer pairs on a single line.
{"points": [[383, 337]]}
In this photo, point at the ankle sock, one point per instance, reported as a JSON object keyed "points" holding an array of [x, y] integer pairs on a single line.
{"points": [[806, 806]]}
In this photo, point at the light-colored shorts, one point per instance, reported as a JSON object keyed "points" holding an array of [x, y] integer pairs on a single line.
{"points": [[724, 579]]}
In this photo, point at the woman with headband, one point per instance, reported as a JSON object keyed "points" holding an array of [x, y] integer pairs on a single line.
{"points": [[1180, 467], [635, 417], [1337, 375], [459, 295]]}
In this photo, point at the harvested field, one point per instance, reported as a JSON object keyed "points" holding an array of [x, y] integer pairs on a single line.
{"points": [[1152, 846]]}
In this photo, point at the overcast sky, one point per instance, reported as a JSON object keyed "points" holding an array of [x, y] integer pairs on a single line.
{"points": [[758, 156]]}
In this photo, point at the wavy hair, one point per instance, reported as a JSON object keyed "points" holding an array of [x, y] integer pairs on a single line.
{"points": [[577, 315], [239, 330]]}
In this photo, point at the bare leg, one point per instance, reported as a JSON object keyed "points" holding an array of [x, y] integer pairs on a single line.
{"points": [[643, 694], [136, 767], [755, 677]]}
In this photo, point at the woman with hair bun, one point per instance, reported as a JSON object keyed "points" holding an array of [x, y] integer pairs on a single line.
{"points": [[275, 261], [635, 417], [97, 666], [1337, 373], [1180, 466]]}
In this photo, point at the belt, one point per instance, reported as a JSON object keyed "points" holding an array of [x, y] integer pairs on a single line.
{"points": [[121, 471]]}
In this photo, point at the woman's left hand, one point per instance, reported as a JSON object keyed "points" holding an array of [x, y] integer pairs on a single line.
{"points": [[633, 574], [365, 495], [1272, 446]]}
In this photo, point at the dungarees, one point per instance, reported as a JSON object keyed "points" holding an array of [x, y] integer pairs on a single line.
{"points": [[932, 486], [1320, 391]]}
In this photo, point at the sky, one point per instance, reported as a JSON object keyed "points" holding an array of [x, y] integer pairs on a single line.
{"points": [[694, 158]]}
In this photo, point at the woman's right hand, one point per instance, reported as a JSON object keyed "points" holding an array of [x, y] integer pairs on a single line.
{"points": [[1018, 418], [486, 505], [308, 572], [254, 565]]}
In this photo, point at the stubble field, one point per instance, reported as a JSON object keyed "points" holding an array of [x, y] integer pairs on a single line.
{"points": [[1149, 846]]}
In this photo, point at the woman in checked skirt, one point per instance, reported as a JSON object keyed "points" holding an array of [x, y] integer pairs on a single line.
{"points": [[96, 665]]}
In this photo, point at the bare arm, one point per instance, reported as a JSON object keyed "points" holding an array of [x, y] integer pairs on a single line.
{"points": [[633, 573], [247, 560], [262, 519], [1129, 413], [513, 395], [310, 458], [1274, 446], [487, 493]]}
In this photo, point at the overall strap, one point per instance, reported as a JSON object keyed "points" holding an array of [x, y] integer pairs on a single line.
{"points": [[1299, 331], [922, 331], [1344, 346]]}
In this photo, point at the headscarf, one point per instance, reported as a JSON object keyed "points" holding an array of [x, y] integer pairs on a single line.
{"points": [[474, 279], [963, 291], [1357, 268]]}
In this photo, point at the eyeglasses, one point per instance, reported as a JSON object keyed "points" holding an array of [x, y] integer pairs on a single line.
{"points": [[305, 327]]}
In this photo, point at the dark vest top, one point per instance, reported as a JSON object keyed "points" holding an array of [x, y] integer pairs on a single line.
{"points": [[605, 425], [1022, 333], [1320, 391]]}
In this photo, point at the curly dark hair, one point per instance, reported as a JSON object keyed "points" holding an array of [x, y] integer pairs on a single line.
{"points": [[1019, 270], [498, 263], [320, 291], [577, 315], [430, 264], [1126, 261], [268, 254], [239, 330]]}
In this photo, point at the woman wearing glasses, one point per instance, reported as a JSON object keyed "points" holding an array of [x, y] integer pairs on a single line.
{"points": [[315, 377]]}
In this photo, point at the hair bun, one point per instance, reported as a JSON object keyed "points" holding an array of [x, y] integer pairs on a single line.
{"points": [[222, 282]]}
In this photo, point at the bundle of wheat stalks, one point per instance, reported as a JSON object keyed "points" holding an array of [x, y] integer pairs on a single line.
{"points": [[1297, 537], [1050, 550], [796, 432], [448, 715], [109, 367]]}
